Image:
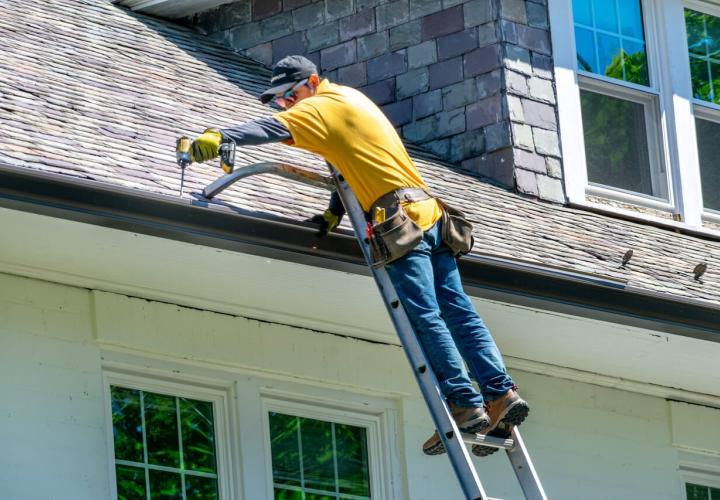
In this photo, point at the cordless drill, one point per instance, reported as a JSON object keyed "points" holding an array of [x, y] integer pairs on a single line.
{"points": [[184, 158]]}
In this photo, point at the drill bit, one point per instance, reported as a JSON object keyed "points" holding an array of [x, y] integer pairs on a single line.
{"points": [[183, 157]]}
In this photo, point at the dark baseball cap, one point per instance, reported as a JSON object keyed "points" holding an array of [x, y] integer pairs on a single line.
{"points": [[286, 73]]}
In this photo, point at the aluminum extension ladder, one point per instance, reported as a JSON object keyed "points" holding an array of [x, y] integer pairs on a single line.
{"points": [[453, 440]]}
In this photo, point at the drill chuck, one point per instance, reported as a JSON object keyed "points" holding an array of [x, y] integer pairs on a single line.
{"points": [[182, 151], [227, 156]]}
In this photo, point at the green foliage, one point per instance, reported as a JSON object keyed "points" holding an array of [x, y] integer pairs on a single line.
{"points": [[325, 446], [615, 142], [629, 67], [163, 445]]}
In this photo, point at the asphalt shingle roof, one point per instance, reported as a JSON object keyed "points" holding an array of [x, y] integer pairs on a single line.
{"points": [[93, 91]]}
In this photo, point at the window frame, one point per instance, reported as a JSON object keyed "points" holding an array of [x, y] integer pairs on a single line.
{"points": [[704, 110], [670, 80], [698, 477], [376, 425], [218, 396], [660, 175]]}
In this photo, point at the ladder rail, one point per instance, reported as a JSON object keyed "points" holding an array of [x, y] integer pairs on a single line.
{"points": [[450, 435], [429, 387]]}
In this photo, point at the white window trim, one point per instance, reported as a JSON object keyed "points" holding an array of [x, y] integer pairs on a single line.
{"points": [[677, 126], [660, 177], [219, 396], [378, 426], [697, 476], [702, 109]]}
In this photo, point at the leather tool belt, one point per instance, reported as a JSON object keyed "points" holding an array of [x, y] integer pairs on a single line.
{"points": [[392, 233]]}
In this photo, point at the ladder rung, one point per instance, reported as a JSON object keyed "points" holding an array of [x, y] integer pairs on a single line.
{"points": [[493, 442]]}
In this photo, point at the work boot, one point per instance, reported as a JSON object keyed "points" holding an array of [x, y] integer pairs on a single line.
{"points": [[505, 413], [472, 419]]}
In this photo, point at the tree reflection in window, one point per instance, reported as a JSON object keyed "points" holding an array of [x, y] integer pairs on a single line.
{"points": [[164, 446], [317, 460], [703, 32], [610, 39]]}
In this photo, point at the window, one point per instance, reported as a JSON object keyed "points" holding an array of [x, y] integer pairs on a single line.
{"points": [[642, 78], [699, 492], [318, 460], [164, 446], [619, 106], [703, 42]]}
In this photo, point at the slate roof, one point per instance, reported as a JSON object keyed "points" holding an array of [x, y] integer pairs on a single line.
{"points": [[92, 91]]}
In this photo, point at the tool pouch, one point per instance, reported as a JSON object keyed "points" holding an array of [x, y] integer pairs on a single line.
{"points": [[394, 237], [456, 230]]}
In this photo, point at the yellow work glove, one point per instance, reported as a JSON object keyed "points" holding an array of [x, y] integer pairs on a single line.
{"points": [[206, 146], [328, 221]]}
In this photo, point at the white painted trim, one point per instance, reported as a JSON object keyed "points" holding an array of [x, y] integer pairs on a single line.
{"points": [[641, 217], [622, 384], [218, 394], [699, 477], [627, 197], [379, 425], [568, 95], [657, 159], [678, 102], [618, 83], [202, 373]]}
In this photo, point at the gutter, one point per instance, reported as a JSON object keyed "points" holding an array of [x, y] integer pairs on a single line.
{"points": [[221, 226]]}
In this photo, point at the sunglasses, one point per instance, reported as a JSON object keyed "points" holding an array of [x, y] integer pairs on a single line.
{"points": [[282, 100]]}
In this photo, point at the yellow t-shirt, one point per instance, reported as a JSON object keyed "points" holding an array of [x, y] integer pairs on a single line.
{"points": [[347, 129]]}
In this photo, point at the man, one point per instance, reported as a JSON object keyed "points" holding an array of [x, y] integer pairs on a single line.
{"points": [[351, 133]]}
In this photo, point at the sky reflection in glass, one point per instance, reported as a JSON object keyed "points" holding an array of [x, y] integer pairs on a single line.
{"points": [[610, 39]]}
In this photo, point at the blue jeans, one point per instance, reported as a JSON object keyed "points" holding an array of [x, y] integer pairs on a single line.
{"points": [[428, 284]]}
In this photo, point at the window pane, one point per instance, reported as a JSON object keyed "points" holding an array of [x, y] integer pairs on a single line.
{"points": [[130, 482], [333, 459], [609, 60], [127, 424], [700, 74], [287, 494], [695, 26], [714, 493], [704, 48], [696, 492], [161, 430], [317, 454], [200, 488], [635, 63], [616, 142], [198, 435], [620, 39], [712, 33], [352, 460], [631, 19], [606, 17], [165, 485], [585, 41], [582, 12], [284, 448], [708, 139]]}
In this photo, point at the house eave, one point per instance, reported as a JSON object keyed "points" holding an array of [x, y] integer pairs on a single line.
{"points": [[170, 9], [200, 222]]}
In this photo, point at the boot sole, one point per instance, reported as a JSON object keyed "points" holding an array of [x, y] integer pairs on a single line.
{"points": [[503, 429], [475, 427]]}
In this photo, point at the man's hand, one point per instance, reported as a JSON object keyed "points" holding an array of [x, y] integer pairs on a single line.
{"points": [[206, 146], [328, 221]]}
